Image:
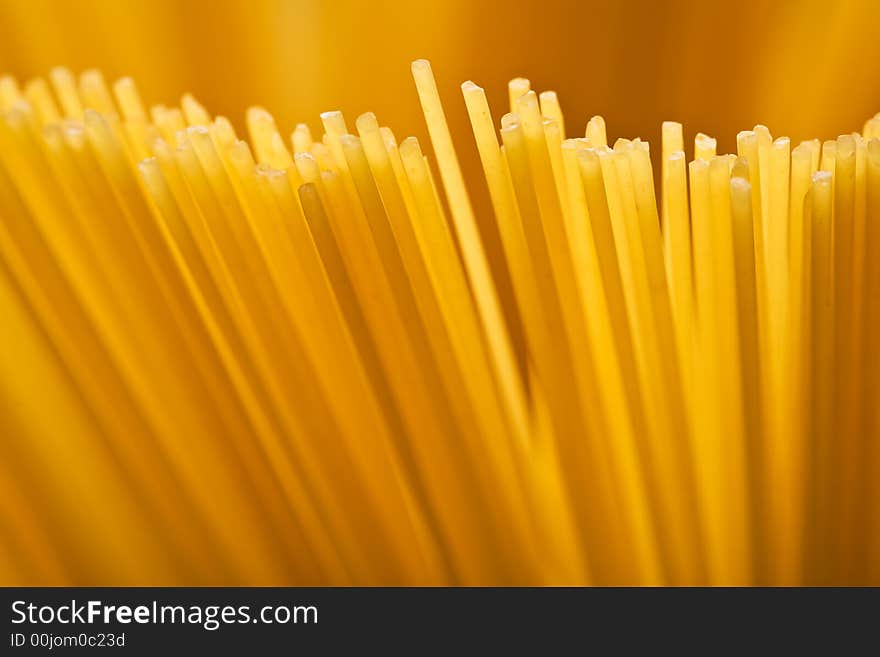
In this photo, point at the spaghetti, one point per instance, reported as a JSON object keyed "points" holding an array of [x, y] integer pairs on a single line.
{"points": [[287, 361]]}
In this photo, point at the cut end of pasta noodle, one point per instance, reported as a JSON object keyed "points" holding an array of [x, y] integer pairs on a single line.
{"points": [[301, 358]]}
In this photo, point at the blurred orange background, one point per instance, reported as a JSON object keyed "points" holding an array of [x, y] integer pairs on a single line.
{"points": [[804, 68]]}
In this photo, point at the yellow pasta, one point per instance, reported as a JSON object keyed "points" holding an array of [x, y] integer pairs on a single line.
{"points": [[293, 361]]}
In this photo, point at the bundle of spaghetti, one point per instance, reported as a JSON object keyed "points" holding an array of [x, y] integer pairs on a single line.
{"points": [[287, 361]]}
